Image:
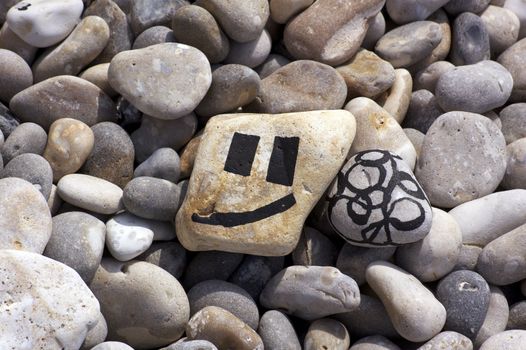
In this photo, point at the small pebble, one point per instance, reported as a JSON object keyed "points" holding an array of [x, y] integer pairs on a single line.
{"points": [[164, 163], [32, 168], [353, 260], [314, 248], [277, 333], [255, 271], [513, 60], [170, 256], [502, 26], [112, 345], [145, 14], [516, 169], [15, 75], [327, 333], [25, 138], [404, 11], [210, 265], [513, 118], [374, 342], [423, 111], [98, 75], [153, 36], [471, 41], [448, 340], [126, 238], [496, 317]]}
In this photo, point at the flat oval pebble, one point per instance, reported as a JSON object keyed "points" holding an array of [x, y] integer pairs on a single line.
{"points": [[409, 43], [31, 282], [405, 298], [64, 96], [164, 164], [471, 43], [475, 88], [82, 46], [508, 340], [277, 332], [32, 168], [448, 340], [497, 317], [42, 23], [320, 291], [156, 79], [144, 306], [404, 11], [25, 138], [327, 333], [69, 144], [513, 60], [77, 240], [91, 193], [463, 158], [127, 237], [15, 75]]}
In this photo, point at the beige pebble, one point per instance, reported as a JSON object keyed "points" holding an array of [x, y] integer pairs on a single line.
{"points": [[98, 75]]}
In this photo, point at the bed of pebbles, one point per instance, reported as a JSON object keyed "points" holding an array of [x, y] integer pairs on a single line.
{"points": [[263, 174]]}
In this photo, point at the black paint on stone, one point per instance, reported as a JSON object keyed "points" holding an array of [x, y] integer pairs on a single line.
{"points": [[283, 160], [241, 154]]}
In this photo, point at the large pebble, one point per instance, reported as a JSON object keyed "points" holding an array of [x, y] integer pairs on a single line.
{"points": [[415, 312], [25, 138], [148, 13], [166, 81], [15, 75], [463, 158], [163, 164], [277, 332], [63, 96], [327, 333], [25, 222], [338, 33], [513, 118], [42, 23], [48, 306], [471, 43], [502, 26], [508, 340], [144, 305], [91, 193], [320, 291], [513, 60], [404, 11], [77, 240], [302, 85], [32, 168], [82, 46], [475, 88]]}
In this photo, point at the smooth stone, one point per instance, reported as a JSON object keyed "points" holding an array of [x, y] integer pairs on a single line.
{"points": [[81, 47], [25, 222], [48, 305], [327, 333], [374, 342], [417, 139], [4, 7], [54, 201], [314, 248], [223, 329], [513, 60], [281, 11], [437, 254], [409, 43], [508, 340], [233, 86], [353, 260], [468, 257], [423, 111], [162, 230], [338, 34], [227, 296], [448, 340], [242, 20], [153, 36], [302, 85], [195, 26], [164, 163], [496, 317], [42, 23], [367, 75], [144, 306], [376, 30], [519, 8], [95, 335], [185, 344], [396, 100], [32, 168], [517, 316], [516, 168], [170, 256], [210, 265], [69, 144], [147, 13], [152, 198], [112, 345], [15, 75], [63, 96], [463, 158], [502, 26], [404, 297], [98, 75], [112, 156], [12, 42], [176, 77], [486, 219], [427, 78], [405, 11], [127, 236], [503, 261], [8, 122], [471, 42], [272, 63], [513, 119], [251, 53], [320, 291], [188, 154], [204, 223], [25, 138], [277, 332], [157, 133], [121, 36], [465, 295], [456, 7], [91, 193], [77, 240], [377, 129], [254, 272]]}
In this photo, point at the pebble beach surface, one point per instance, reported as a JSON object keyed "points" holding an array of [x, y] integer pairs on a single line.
{"points": [[262, 174]]}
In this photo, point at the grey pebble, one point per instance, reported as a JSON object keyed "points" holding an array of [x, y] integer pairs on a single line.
{"points": [[147, 13], [514, 59], [210, 265], [468, 257], [251, 53], [10, 41], [456, 7], [25, 138], [152, 198], [15, 75], [417, 139], [77, 240], [153, 36], [513, 119], [32, 168], [353, 260], [404, 11], [465, 295], [96, 335], [255, 271], [517, 316], [8, 122], [112, 345], [423, 111], [507, 340], [272, 63], [470, 43], [427, 78], [164, 163], [496, 317], [448, 340], [170, 256], [376, 29], [515, 170], [314, 248], [277, 332], [186, 344], [503, 28], [225, 295], [374, 342]]}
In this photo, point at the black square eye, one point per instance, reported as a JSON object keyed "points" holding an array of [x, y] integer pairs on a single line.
{"points": [[283, 160], [241, 154]]}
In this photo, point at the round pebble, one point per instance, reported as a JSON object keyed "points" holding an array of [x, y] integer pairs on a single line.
{"points": [[15, 75], [112, 345], [32, 168], [353, 260], [513, 60], [98, 75], [423, 111], [448, 340], [126, 238], [251, 53], [471, 43], [164, 163], [277, 332], [374, 342], [25, 138], [327, 333], [502, 26], [513, 119], [516, 168]]}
